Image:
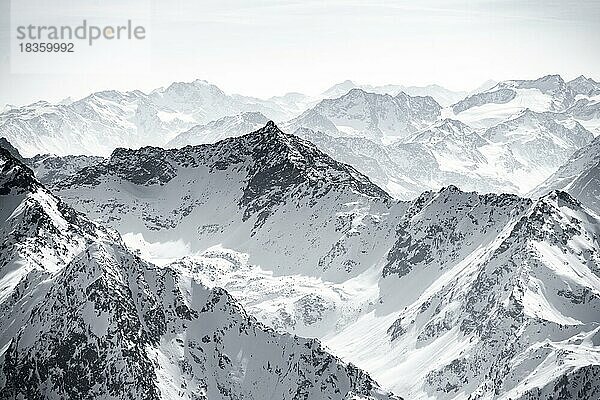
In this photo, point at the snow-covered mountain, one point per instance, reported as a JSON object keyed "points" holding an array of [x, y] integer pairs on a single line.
{"points": [[476, 298], [447, 294], [294, 102], [266, 193], [230, 126], [407, 168], [531, 146], [378, 117], [487, 296], [452, 142], [390, 167], [340, 89], [513, 156], [550, 93], [584, 86], [587, 102], [103, 121], [94, 125], [491, 297], [547, 94], [205, 102], [50, 169], [451, 295], [579, 176], [443, 96], [587, 112], [83, 317]]}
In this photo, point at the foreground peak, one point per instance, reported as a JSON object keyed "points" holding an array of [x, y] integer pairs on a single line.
{"points": [[271, 125], [269, 128]]}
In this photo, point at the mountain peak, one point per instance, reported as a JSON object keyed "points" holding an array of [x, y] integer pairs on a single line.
{"points": [[584, 86], [357, 92], [271, 126], [5, 144], [14, 175], [555, 77], [269, 129], [561, 199]]}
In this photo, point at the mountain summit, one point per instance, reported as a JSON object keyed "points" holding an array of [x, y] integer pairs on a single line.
{"points": [[83, 317]]}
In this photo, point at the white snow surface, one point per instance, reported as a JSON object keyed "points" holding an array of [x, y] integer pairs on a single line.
{"points": [[451, 295]]}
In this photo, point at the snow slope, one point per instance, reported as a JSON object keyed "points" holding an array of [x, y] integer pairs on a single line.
{"points": [[578, 176], [265, 193], [378, 117], [512, 315], [83, 317], [453, 295]]}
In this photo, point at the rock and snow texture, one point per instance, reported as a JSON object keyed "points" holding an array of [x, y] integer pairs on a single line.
{"points": [[103, 121], [486, 296], [530, 146], [526, 131], [378, 117], [529, 128], [579, 176], [223, 128], [513, 156], [448, 296], [265, 193], [93, 126], [577, 98], [83, 317]]}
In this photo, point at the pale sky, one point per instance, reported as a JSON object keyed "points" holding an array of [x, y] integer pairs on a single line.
{"points": [[265, 48]]}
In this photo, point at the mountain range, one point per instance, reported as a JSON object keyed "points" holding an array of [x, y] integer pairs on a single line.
{"points": [[524, 137], [447, 249], [501, 291], [443, 96], [84, 317]]}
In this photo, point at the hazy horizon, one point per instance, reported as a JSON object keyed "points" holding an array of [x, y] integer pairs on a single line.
{"points": [[270, 48]]}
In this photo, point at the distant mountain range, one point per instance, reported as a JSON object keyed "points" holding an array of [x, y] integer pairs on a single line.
{"points": [[442, 95], [523, 131]]}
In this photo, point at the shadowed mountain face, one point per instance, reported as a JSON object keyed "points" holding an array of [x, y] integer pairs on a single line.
{"points": [[309, 245], [579, 176], [267, 193], [83, 317], [447, 294]]}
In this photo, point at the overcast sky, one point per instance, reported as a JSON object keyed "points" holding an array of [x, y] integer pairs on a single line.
{"points": [[265, 48]]}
